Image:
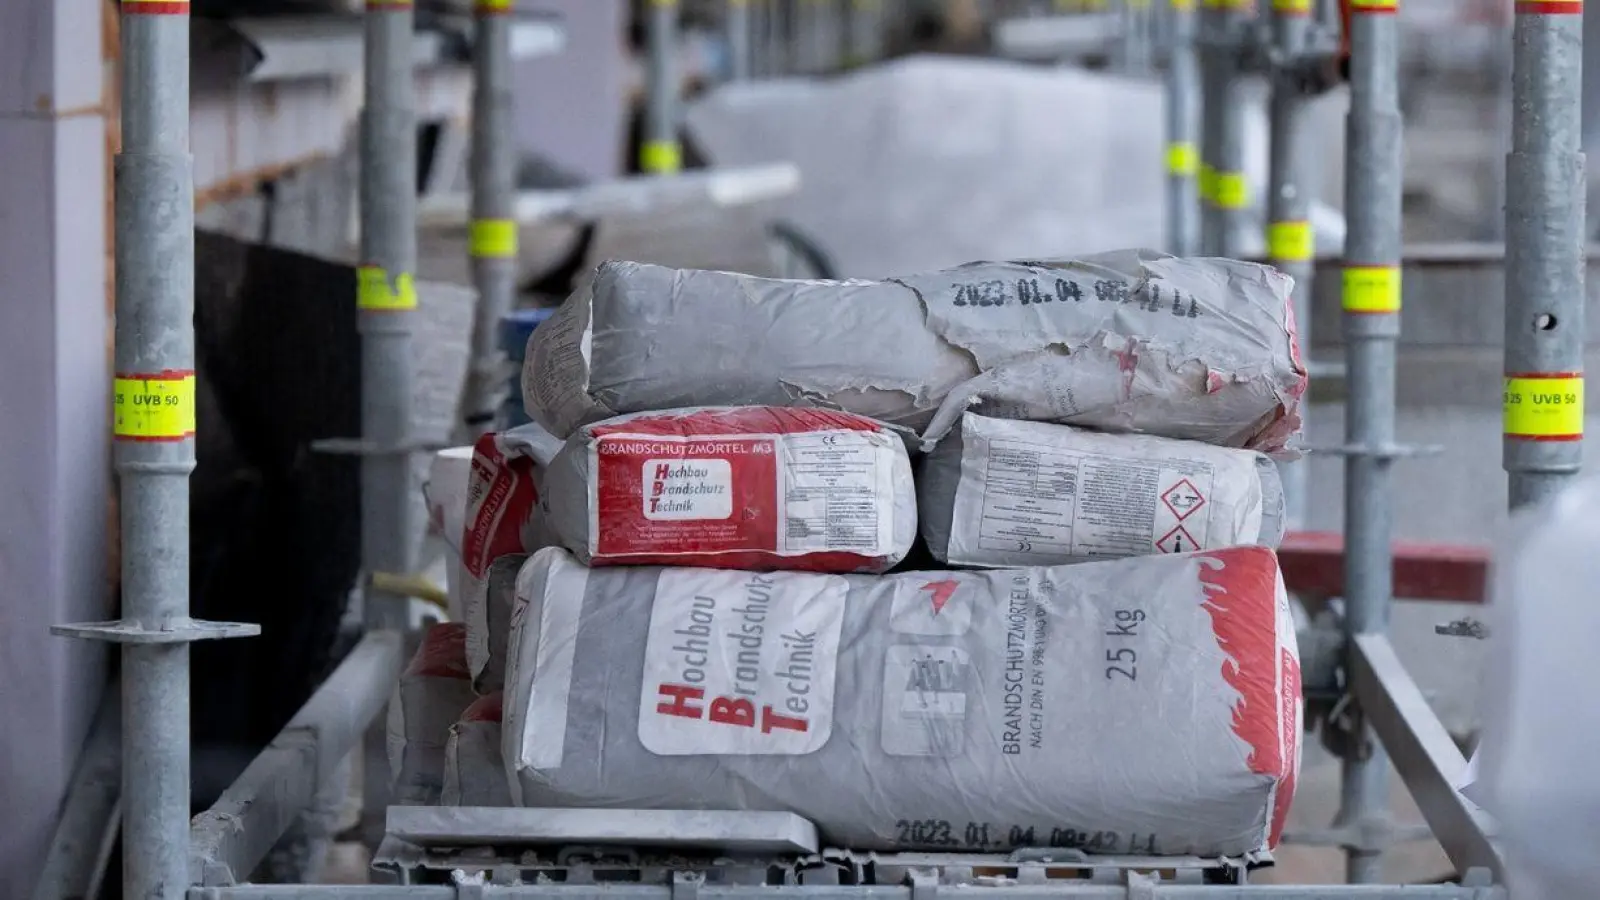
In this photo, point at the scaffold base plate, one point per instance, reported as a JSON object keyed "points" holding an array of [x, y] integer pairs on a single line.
{"points": [[176, 631]]}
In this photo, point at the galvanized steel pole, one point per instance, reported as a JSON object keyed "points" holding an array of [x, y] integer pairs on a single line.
{"points": [[492, 239], [661, 153], [153, 426], [1213, 96], [859, 37], [1545, 205], [386, 300], [1290, 247], [1371, 327], [154, 431], [1136, 35], [1230, 192], [737, 22], [1183, 126]]}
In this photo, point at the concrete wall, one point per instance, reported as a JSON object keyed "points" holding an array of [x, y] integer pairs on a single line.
{"points": [[54, 367], [570, 106]]}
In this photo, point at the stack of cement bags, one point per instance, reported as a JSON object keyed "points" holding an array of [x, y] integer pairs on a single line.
{"points": [[715, 611]]}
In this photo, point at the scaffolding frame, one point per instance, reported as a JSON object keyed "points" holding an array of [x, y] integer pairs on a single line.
{"points": [[1377, 706]]}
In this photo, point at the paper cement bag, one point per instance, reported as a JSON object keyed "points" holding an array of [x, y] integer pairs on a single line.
{"points": [[1148, 705], [1131, 341], [475, 772], [501, 518], [431, 693], [1000, 493], [737, 488]]}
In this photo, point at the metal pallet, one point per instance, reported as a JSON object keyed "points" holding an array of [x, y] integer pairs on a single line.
{"points": [[1359, 695]]}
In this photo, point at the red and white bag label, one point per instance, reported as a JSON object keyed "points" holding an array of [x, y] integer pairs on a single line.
{"points": [[501, 496], [740, 663], [756, 487], [502, 506]]}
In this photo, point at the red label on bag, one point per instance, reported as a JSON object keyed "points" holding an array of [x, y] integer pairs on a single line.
{"points": [[742, 488], [501, 496], [699, 496]]}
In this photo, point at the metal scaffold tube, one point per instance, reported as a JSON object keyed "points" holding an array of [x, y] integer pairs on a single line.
{"points": [[1183, 126], [738, 19], [154, 368], [661, 153], [153, 427], [492, 236], [1290, 245], [386, 301], [1135, 35], [1230, 191], [1213, 96], [1545, 204], [858, 32], [1371, 301]]}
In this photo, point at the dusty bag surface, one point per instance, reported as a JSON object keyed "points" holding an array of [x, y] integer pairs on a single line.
{"points": [[433, 690], [1143, 705], [1201, 349], [475, 772], [501, 518], [996, 492], [500, 600], [740, 488]]}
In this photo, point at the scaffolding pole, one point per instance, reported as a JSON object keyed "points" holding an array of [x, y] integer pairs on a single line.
{"points": [[492, 235], [386, 301], [1230, 192], [1545, 201], [1290, 245], [738, 24], [1371, 300], [661, 153], [1183, 126], [861, 20], [153, 426], [1135, 35]]}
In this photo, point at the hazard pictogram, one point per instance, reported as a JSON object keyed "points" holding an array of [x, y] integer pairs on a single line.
{"points": [[1178, 540], [1183, 499], [940, 593]]}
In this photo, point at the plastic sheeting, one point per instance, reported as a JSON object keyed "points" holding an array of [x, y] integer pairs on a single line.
{"points": [[929, 162], [1541, 724]]}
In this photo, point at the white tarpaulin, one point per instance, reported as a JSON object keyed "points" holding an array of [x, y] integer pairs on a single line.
{"points": [[928, 162]]}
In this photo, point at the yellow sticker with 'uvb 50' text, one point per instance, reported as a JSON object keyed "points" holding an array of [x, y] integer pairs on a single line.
{"points": [[158, 406], [1544, 406]]}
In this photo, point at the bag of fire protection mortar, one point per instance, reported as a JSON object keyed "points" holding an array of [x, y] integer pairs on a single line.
{"points": [[475, 772], [738, 488], [429, 698], [1147, 705], [1001, 493], [501, 518], [1130, 341]]}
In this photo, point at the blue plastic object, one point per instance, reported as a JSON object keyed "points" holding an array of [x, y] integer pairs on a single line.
{"points": [[515, 329]]}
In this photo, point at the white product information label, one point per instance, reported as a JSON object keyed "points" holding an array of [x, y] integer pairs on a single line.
{"points": [[925, 700], [741, 663], [687, 490], [836, 492], [1021, 502]]}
